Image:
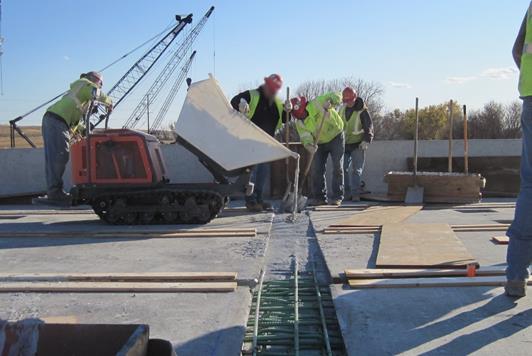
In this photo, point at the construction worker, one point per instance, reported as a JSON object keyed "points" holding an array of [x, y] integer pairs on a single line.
{"points": [[519, 254], [265, 110], [57, 122], [358, 129], [321, 131]]}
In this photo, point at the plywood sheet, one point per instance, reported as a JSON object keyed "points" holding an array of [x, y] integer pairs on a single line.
{"points": [[381, 215], [421, 246], [209, 123], [500, 240], [429, 282]]}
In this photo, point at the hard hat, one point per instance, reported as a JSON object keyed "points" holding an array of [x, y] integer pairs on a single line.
{"points": [[299, 106], [274, 82], [95, 77], [349, 95]]}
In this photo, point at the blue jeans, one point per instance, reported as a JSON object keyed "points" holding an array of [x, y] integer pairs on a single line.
{"points": [[519, 254], [335, 148], [353, 157], [258, 177], [56, 137]]}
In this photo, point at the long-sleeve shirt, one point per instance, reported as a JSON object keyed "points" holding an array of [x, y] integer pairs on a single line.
{"points": [[365, 118]]}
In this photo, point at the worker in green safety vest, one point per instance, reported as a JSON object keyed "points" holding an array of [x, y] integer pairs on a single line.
{"points": [[519, 253], [358, 129], [267, 111], [57, 123], [321, 131]]}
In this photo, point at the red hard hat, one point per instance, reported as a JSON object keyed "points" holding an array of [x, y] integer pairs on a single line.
{"points": [[349, 95], [274, 82], [95, 77], [299, 106]]}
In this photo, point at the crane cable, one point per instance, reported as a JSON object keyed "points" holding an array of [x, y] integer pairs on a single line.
{"points": [[103, 69]]}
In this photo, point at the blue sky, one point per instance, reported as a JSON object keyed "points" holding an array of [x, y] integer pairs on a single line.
{"points": [[436, 50]]}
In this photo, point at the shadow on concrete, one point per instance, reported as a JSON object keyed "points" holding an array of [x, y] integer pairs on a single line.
{"points": [[218, 343], [400, 320], [7, 243]]}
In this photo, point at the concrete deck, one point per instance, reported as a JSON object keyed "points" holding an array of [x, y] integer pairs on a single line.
{"points": [[374, 322]]}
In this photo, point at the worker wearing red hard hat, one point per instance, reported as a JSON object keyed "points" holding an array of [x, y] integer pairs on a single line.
{"points": [[358, 129], [265, 110], [320, 130], [57, 123]]}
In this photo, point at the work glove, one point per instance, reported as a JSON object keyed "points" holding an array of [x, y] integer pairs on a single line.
{"points": [[288, 106], [327, 105], [109, 109], [243, 107], [311, 148], [363, 145]]}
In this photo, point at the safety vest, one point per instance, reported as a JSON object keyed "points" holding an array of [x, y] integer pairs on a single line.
{"points": [[73, 106], [525, 79], [332, 126], [354, 133], [254, 96]]}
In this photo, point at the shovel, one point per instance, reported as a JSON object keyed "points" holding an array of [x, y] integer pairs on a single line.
{"points": [[414, 195]]}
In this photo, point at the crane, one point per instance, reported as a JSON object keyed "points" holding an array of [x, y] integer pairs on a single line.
{"points": [[172, 94], [171, 66]]}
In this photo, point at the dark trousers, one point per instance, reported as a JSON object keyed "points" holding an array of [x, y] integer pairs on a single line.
{"points": [[335, 149], [258, 177], [56, 137]]}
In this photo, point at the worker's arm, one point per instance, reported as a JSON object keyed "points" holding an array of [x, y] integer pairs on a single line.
{"points": [[235, 102], [334, 98], [367, 125], [90, 91], [517, 50], [305, 134]]}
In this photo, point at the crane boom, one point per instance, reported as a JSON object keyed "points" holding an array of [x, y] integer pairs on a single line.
{"points": [[173, 92], [142, 66], [167, 71]]}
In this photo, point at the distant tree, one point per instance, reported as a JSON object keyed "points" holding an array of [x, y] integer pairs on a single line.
{"points": [[433, 122]]}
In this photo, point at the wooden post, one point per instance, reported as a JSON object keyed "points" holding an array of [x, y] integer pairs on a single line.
{"points": [[466, 144], [287, 140], [450, 160]]}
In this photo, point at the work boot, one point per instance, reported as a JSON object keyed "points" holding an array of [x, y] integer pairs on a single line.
{"points": [[515, 289], [253, 207], [316, 202], [58, 196], [336, 202], [266, 206]]}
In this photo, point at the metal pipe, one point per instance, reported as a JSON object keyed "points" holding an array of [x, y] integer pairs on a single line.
{"points": [[320, 304], [466, 143], [416, 138], [257, 309], [296, 309], [450, 160]]}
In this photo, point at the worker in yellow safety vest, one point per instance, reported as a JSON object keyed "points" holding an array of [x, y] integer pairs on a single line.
{"points": [[321, 131], [519, 254], [358, 129], [265, 110], [57, 123]]}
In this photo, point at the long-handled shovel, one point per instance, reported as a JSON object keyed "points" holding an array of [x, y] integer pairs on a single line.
{"points": [[414, 195]]}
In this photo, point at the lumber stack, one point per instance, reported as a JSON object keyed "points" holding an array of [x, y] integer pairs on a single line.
{"points": [[148, 282], [438, 187], [342, 229], [414, 278]]}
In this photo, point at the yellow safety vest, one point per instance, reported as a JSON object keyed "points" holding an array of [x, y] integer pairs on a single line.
{"points": [[254, 96], [354, 133], [525, 79]]}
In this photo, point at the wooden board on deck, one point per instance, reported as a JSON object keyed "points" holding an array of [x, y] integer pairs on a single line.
{"points": [[494, 281], [379, 215], [119, 276], [500, 240], [115, 287], [417, 273], [421, 246]]}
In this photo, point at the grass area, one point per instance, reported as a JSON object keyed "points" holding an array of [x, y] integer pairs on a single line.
{"points": [[33, 132]]}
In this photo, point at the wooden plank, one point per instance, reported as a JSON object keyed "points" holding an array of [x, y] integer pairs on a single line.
{"points": [[136, 234], [405, 273], [381, 215], [500, 240], [495, 281], [421, 246], [115, 287], [120, 276]]}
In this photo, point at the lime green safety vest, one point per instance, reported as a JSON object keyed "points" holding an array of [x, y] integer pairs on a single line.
{"points": [[354, 133], [75, 103], [525, 80], [254, 96], [332, 126]]}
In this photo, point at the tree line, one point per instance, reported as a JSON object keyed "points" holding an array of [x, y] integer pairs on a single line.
{"points": [[494, 120]]}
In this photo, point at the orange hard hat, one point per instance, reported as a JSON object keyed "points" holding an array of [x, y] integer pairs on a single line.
{"points": [[299, 106], [349, 95], [274, 82]]}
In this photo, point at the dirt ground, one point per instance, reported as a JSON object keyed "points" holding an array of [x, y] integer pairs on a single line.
{"points": [[33, 132]]}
